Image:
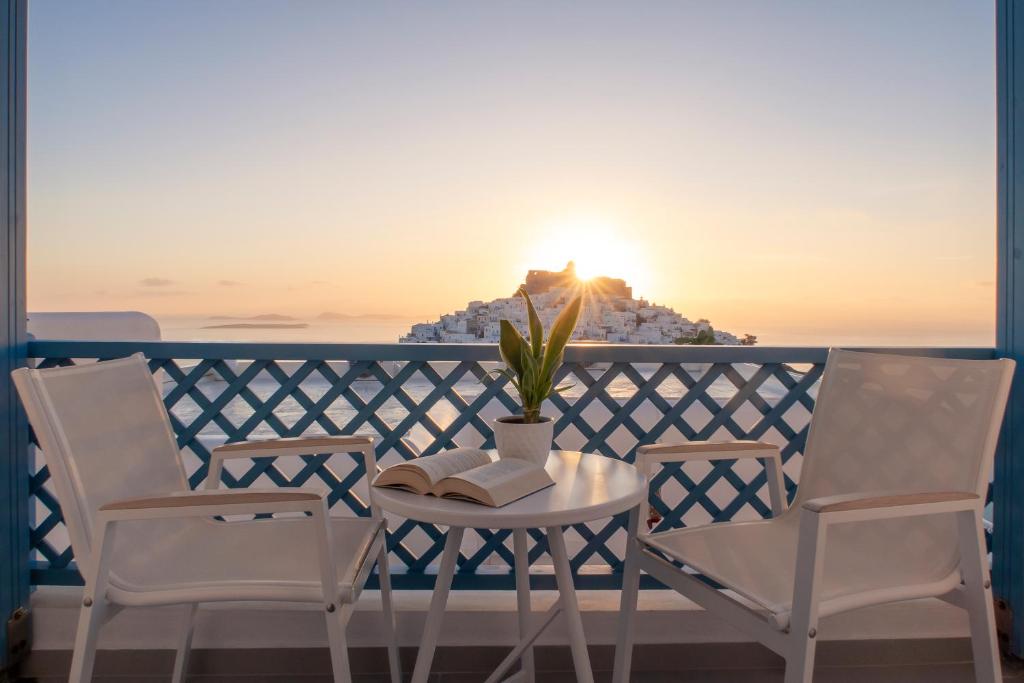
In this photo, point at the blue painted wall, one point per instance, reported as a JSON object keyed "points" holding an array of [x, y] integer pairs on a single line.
{"points": [[1008, 560], [14, 576]]}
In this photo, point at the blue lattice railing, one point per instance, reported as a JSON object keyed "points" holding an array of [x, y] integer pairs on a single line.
{"points": [[421, 399]]}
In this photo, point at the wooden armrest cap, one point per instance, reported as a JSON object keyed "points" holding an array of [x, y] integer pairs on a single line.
{"points": [[705, 446], [182, 501], [859, 502], [311, 442]]}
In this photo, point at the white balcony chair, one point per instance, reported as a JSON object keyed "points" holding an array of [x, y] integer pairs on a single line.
{"points": [[888, 508], [142, 538]]}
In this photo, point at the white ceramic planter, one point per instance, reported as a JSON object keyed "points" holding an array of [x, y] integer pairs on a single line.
{"points": [[524, 441]]}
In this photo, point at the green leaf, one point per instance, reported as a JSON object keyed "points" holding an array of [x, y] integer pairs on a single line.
{"points": [[561, 331], [504, 372], [511, 346], [552, 367], [536, 329], [510, 376], [532, 389], [564, 387]]}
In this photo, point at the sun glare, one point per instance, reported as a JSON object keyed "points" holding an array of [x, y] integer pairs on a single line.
{"points": [[596, 248], [590, 263]]}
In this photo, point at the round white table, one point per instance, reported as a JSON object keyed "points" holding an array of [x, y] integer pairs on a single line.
{"points": [[587, 487]]}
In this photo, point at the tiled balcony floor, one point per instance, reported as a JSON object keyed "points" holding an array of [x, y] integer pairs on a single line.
{"points": [[915, 674], [908, 674], [933, 661]]}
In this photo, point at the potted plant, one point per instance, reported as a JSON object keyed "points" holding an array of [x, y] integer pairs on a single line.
{"points": [[530, 366]]}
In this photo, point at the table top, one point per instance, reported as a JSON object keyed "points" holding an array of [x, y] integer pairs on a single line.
{"points": [[587, 487]]}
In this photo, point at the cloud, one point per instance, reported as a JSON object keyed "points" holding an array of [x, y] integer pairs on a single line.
{"points": [[229, 283], [155, 282]]}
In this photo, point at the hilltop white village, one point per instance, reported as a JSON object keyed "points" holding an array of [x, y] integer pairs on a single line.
{"points": [[610, 315]]}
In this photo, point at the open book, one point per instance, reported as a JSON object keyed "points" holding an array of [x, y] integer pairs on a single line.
{"points": [[467, 474]]}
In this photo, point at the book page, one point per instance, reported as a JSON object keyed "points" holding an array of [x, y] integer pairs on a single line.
{"points": [[422, 474], [403, 476], [437, 467], [497, 483], [492, 473]]}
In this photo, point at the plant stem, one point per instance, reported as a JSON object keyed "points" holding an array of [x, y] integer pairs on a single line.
{"points": [[531, 416]]}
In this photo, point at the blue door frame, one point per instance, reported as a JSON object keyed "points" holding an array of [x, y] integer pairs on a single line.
{"points": [[14, 576], [1008, 516]]}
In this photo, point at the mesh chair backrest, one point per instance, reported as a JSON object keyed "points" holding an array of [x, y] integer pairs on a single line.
{"points": [[901, 423], [887, 422], [105, 436]]}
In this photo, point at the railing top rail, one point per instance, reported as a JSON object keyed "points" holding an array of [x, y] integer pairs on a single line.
{"points": [[578, 353]]}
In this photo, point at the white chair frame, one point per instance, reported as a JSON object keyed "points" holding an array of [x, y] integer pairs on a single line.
{"points": [[101, 600], [797, 643]]}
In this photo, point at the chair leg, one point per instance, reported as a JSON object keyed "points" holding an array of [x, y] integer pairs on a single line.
{"points": [[184, 645], [627, 607], [803, 622], [94, 605], [90, 619], [388, 608], [337, 621], [978, 591], [800, 662]]}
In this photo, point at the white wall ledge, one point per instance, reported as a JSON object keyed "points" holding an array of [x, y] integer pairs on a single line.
{"points": [[473, 618]]}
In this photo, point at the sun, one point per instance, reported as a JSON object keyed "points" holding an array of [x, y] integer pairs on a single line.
{"points": [[597, 248], [591, 263]]}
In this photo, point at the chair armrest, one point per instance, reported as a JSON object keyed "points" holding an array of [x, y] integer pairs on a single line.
{"points": [[705, 450], [886, 505], [210, 503], [298, 445], [688, 451]]}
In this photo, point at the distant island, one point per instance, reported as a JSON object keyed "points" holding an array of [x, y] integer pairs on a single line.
{"points": [[610, 314], [277, 321], [266, 317], [257, 326]]}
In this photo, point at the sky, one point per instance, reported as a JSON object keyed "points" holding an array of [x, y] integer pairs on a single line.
{"points": [[807, 172]]}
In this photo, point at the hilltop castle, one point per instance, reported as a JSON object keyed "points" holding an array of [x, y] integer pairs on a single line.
{"points": [[541, 281]]}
